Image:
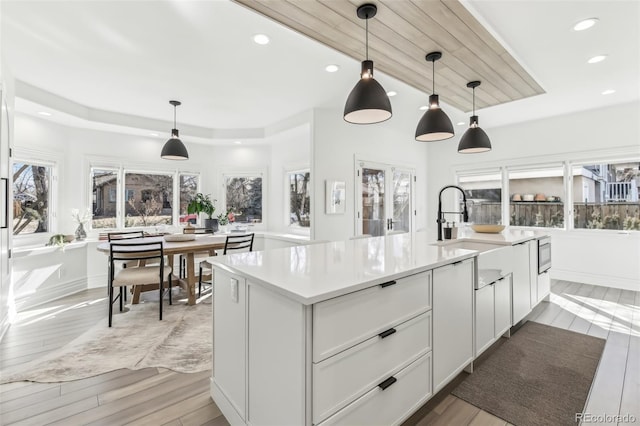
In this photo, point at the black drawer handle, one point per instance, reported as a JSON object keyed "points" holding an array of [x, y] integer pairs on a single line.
{"points": [[387, 333], [391, 380], [387, 284]]}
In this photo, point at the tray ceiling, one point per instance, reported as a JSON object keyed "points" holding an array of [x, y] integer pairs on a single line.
{"points": [[400, 36]]}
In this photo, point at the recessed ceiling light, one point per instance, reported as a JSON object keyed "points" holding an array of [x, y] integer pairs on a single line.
{"points": [[391, 93], [332, 68], [460, 123], [238, 142], [154, 134], [423, 108], [608, 92], [261, 39], [45, 113], [585, 24], [596, 59]]}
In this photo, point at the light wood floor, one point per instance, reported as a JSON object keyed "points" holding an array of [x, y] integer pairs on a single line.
{"points": [[156, 396]]}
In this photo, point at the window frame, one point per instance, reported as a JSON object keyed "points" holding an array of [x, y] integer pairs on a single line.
{"points": [[253, 172], [38, 158], [517, 164], [287, 201]]}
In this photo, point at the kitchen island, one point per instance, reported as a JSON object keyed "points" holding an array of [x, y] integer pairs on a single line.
{"points": [[351, 332]]}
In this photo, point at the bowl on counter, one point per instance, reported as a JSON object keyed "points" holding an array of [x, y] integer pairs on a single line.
{"points": [[487, 228]]}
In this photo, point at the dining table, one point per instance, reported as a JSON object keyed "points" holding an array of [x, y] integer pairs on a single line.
{"points": [[202, 244]]}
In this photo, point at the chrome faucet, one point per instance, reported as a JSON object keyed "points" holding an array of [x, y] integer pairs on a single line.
{"points": [[464, 212]]}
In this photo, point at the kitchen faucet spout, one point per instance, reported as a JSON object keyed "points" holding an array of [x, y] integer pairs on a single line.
{"points": [[464, 212]]}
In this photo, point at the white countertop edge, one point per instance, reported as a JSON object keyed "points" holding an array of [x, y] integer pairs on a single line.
{"points": [[346, 289]]}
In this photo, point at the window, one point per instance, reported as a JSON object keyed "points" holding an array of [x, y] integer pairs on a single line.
{"points": [[244, 197], [188, 190], [299, 199], [31, 198], [605, 196], [105, 185], [537, 197], [148, 199], [484, 196]]}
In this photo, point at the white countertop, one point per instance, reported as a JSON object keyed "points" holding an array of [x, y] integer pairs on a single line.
{"points": [[317, 272], [507, 237]]}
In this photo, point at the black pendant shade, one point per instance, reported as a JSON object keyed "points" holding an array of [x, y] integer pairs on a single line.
{"points": [[474, 140], [174, 149], [368, 102], [435, 124]]}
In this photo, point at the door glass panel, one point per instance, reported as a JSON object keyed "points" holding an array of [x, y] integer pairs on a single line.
{"points": [[373, 214], [401, 201]]}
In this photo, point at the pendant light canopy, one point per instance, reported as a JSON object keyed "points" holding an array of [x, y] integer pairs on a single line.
{"points": [[434, 125], [474, 140], [174, 149], [368, 102]]}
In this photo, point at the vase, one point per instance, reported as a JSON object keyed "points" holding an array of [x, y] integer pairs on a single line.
{"points": [[223, 228], [211, 224], [81, 234]]}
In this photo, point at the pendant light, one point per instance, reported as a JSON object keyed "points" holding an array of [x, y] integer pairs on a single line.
{"points": [[434, 125], [474, 140], [174, 149], [368, 102]]}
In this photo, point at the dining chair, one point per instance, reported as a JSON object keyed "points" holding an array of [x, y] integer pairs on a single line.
{"points": [[120, 251], [126, 235], [182, 261], [232, 243]]}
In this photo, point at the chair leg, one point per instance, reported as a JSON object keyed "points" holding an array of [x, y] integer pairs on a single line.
{"points": [[110, 304], [125, 293], [161, 286], [170, 295], [200, 282], [121, 297]]}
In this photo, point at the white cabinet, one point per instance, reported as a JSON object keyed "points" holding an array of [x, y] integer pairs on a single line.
{"points": [[492, 313], [521, 281], [502, 308], [453, 287], [485, 324], [544, 286], [229, 340]]}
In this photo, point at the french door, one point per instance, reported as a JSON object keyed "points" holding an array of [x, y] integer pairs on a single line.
{"points": [[385, 199]]}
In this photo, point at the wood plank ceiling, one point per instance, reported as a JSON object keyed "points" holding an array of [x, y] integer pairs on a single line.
{"points": [[401, 34]]}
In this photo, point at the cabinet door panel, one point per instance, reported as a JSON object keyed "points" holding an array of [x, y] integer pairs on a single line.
{"points": [[521, 282], [484, 318], [502, 302], [453, 289], [229, 338]]}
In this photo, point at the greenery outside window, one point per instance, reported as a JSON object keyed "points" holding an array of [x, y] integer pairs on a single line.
{"points": [[31, 197], [151, 201], [243, 196], [299, 185], [188, 188], [104, 195]]}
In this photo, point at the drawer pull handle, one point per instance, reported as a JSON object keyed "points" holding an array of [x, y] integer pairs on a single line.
{"points": [[391, 380], [387, 284], [387, 333]]}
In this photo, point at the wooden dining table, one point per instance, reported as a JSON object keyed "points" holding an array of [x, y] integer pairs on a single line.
{"points": [[206, 244]]}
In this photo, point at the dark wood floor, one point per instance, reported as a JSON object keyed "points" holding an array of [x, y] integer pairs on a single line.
{"points": [[157, 396]]}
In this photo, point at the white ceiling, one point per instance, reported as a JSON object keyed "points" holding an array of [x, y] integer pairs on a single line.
{"points": [[95, 58]]}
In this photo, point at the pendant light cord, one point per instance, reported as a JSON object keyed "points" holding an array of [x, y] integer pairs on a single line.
{"points": [[433, 77], [174, 116], [474, 101], [366, 25]]}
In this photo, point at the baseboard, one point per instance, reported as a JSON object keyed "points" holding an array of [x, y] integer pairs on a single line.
{"points": [[97, 281], [225, 406], [47, 294], [596, 279]]}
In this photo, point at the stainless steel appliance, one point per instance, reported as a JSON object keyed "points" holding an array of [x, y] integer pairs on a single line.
{"points": [[544, 254]]}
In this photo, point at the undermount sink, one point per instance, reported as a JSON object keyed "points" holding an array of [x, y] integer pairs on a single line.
{"points": [[494, 261]]}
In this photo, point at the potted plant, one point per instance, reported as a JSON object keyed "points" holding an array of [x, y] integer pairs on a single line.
{"points": [[202, 203], [225, 219]]}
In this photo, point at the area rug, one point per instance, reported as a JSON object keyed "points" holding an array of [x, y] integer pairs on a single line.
{"points": [[541, 376], [181, 342]]}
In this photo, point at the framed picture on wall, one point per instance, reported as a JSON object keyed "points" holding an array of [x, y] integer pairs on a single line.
{"points": [[336, 193]]}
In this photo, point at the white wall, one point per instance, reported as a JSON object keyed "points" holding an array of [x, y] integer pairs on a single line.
{"points": [[335, 145], [604, 258]]}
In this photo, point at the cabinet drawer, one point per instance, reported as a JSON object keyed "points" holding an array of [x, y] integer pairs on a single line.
{"points": [[342, 378], [345, 321], [392, 405]]}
